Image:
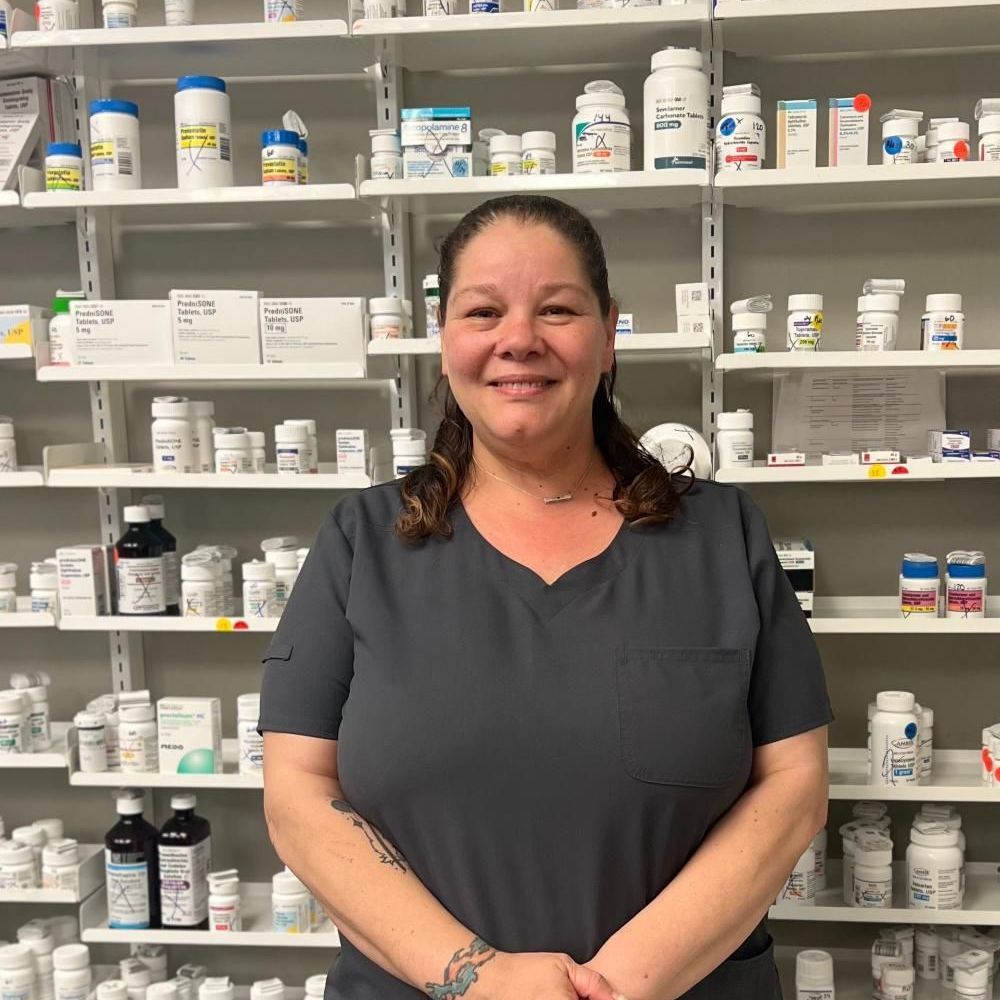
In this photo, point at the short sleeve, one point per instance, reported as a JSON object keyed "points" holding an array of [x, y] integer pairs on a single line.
{"points": [[309, 663], [787, 687]]}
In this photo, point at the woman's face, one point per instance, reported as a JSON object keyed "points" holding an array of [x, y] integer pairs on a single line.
{"points": [[524, 343]]}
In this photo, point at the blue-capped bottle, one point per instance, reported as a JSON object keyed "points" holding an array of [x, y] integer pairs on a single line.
{"points": [[919, 587], [965, 587]]}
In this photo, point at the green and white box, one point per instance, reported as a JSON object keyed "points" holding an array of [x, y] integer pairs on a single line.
{"points": [[190, 733]]}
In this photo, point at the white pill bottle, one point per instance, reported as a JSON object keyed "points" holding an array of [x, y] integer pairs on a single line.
{"points": [[965, 585], [895, 729], [734, 439], [814, 976], [919, 586], [675, 111], [115, 163], [749, 333], [203, 125], [934, 865], [805, 322], [943, 322], [602, 130], [740, 136]]}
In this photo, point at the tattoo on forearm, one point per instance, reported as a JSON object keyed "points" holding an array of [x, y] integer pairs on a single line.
{"points": [[386, 852], [462, 971]]}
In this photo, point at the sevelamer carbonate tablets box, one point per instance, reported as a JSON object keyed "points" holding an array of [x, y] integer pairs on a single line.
{"points": [[121, 332], [311, 331], [216, 327], [190, 733]]}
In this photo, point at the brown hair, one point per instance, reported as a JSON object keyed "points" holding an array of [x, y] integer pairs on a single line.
{"points": [[645, 492]]}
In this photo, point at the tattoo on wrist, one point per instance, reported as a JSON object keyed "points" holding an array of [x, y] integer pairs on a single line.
{"points": [[462, 971], [384, 850]]}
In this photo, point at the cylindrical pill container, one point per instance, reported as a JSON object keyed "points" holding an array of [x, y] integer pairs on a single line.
{"points": [[897, 982], [203, 132], [919, 586], [734, 439], [120, 13], [878, 323], [387, 318], [925, 749], [312, 444], [927, 953], [432, 300], [137, 744], [965, 585], [316, 987], [217, 988], [12, 723], [819, 846], [538, 153], [953, 142], [872, 870], [602, 130], [233, 452], [409, 450], [57, 15], [943, 323], [202, 413], [36, 838], [260, 590], [279, 157], [72, 976], [17, 865], [899, 140], [675, 111], [267, 989], [200, 575], [505, 155], [258, 455], [935, 868], [805, 322], [61, 865], [749, 333], [250, 741], [814, 975], [740, 135], [173, 435], [224, 900], [39, 718], [800, 889], [8, 446], [115, 162], [178, 13], [44, 581], [17, 972], [111, 989], [64, 167], [90, 742], [163, 989], [895, 726], [387, 155], [8, 588], [282, 11], [989, 138], [290, 905], [291, 449]]}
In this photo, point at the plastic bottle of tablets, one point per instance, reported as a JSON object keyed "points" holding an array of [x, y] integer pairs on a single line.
{"points": [[17, 865], [282, 11], [315, 987], [120, 13], [989, 139], [8, 447], [386, 318], [312, 442], [233, 452], [740, 135], [185, 851], [819, 846], [90, 742], [139, 567], [290, 905], [39, 720], [250, 741], [899, 137], [894, 734], [953, 142], [224, 899], [965, 585], [925, 749], [37, 937], [927, 958], [57, 15], [8, 588], [878, 323], [11, 724], [35, 838], [800, 888], [202, 413], [112, 989], [286, 569], [814, 976], [973, 972], [72, 976], [21, 694], [17, 972], [943, 323], [173, 435], [935, 867], [602, 131], [387, 155], [178, 13], [734, 439], [64, 167], [432, 298], [260, 592], [258, 455], [919, 586], [200, 578], [505, 155], [805, 322], [203, 133], [217, 988], [291, 448], [749, 336], [538, 153], [115, 163], [131, 860], [138, 747], [675, 111], [44, 583], [409, 450], [897, 982], [872, 870], [279, 157], [163, 990]]}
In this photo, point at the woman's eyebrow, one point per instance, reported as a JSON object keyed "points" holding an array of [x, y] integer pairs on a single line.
{"points": [[486, 289], [549, 289]]}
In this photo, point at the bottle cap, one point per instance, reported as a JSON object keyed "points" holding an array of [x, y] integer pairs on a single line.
{"points": [[16, 956], [919, 566], [749, 321], [171, 407], [505, 144], [128, 801], [107, 105], [741, 420], [600, 92], [34, 836], [73, 149], [286, 882], [932, 834], [216, 988], [308, 424], [674, 57], [259, 571], [814, 967], [257, 439], [136, 515], [201, 83], [808, 302], [279, 543], [112, 989], [224, 881], [944, 302], [290, 434], [533, 140], [316, 985], [279, 137], [15, 854], [895, 701], [71, 956], [137, 713], [884, 302], [897, 975], [282, 559], [202, 408], [164, 990], [153, 502], [240, 441], [183, 800]]}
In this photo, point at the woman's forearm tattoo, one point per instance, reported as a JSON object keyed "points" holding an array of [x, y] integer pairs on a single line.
{"points": [[386, 852], [462, 971]]}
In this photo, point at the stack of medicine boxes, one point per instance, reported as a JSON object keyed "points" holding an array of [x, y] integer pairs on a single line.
{"points": [[798, 560], [437, 142]]}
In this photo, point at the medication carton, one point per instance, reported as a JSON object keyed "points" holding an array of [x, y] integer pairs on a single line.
{"points": [[121, 332], [216, 327], [190, 735]]}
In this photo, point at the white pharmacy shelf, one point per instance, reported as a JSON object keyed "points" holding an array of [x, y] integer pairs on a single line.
{"points": [[255, 909], [24, 617], [48, 760], [30, 476], [880, 616], [776, 362], [344, 373], [636, 189], [800, 28], [956, 778], [899, 472], [626, 35], [91, 879], [15, 352], [229, 778], [143, 477], [300, 48], [982, 902], [864, 188], [150, 623]]}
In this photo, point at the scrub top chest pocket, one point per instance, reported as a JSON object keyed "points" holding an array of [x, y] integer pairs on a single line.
{"points": [[683, 714]]}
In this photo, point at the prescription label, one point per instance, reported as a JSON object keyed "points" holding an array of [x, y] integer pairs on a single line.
{"points": [[966, 601], [198, 137], [102, 152], [63, 179], [128, 891], [279, 170], [918, 602]]}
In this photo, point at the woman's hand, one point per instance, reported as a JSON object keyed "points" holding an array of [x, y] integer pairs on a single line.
{"points": [[543, 976]]}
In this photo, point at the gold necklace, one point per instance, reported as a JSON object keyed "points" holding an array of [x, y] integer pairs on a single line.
{"points": [[561, 498]]}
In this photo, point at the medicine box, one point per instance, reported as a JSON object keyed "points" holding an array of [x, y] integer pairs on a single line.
{"points": [[778, 459], [121, 332], [216, 327], [22, 324], [692, 299], [949, 445], [190, 735], [625, 325], [878, 456], [436, 129], [83, 581], [419, 164], [796, 134], [51, 100], [352, 450], [841, 458], [313, 331], [849, 131], [798, 559], [694, 326]]}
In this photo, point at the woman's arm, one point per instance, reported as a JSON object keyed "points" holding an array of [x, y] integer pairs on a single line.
{"points": [[722, 893]]}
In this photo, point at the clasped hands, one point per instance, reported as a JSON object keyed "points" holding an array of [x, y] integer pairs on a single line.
{"points": [[545, 976]]}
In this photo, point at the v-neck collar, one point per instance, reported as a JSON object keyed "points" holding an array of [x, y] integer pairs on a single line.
{"points": [[583, 576]]}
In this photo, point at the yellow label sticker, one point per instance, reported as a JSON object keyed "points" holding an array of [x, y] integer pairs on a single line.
{"points": [[20, 333], [103, 149], [63, 179], [198, 137], [279, 169], [877, 472]]}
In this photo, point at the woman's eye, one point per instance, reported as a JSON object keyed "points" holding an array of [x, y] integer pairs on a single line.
{"points": [[484, 313], [558, 311]]}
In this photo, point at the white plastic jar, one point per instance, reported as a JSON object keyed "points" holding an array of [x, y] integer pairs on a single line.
{"points": [[872, 870], [974, 974], [202, 416], [897, 982], [800, 889], [749, 333], [312, 443], [39, 718], [35, 838], [11, 724], [203, 132], [260, 591], [120, 13], [315, 987], [814, 975], [291, 449], [734, 439], [953, 142], [386, 318], [927, 953], [740, 137], [201, 576], [250, 741], [602, 130], [115, 161], [57, 15], [290, 905], [17, 972], [178, 13], [8, 588], [538, 153], [17, 866], [90, 742], [25, 745], [895, 726], [286, 569], [233, 453], [989, 139], [138, 746], [267, 989], [805, 322], [675, 111], [63, 167], [919, 586], [432, 300], [942, 326], [409, 450], [8, 447], [878, 323], [37, 936], [819, 846], [279, 157], [72, 975], [505, 155], [216, 988], [387, 155], [44, 583], [173, 435], [282, 11], [925, 749], [224, 900], [61, 865], [935, 867], [899, 138], [965, 585], [258, 454]]}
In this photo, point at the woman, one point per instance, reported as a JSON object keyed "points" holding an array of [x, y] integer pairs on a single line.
{"points": [[537, 725]]}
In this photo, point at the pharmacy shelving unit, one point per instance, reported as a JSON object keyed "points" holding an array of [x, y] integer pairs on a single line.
{"points": [[957, 778], [770, 363], [91, 879], [53, 758], [24, 617], [880, 616], [925, 472], [144, 623], [30, 476]]}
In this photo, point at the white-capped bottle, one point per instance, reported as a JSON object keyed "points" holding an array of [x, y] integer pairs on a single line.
{"points": [[61, 865], [312, 442], [935, 867], [202, 414], [17, 972], [814, 976], [224, 901], [72, 977], [872, 870], [878, 323], [251, 743], [233, 450], [805, 322], [291, 449], [44, 582], [895, 727], [37, 936], [800, 888], [201, 577], [8, 447], [290, 905], [39, 722], [734, 439], [8, 588], [217, 988], [749, 333], [602, 130], [897, 982], [538, 153], [740, 138], [387, 155], [943, 323], [675, 111], [260, 590], [138, 745], [173, 435]]}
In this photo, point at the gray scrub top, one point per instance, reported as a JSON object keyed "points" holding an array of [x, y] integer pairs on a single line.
{"points": [[546, 756]]}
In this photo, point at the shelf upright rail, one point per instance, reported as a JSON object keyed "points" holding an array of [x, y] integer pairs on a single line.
{"points": [[107, 403]]}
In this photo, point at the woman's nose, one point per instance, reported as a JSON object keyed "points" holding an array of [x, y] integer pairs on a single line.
{"points": [[518, 335]]}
